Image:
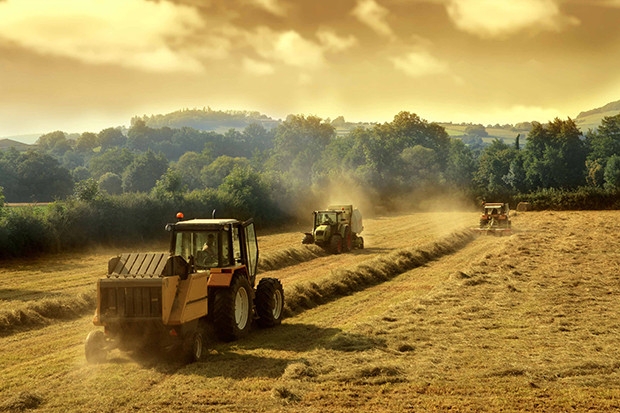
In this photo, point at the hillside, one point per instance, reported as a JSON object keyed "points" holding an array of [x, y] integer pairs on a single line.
{"points": [[10, 143], [591, 119], [444, 322]]}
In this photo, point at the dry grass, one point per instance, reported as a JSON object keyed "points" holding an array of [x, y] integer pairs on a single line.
{"points": [[513, 324]]}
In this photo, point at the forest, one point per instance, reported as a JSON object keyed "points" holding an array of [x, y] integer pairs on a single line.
{"points": [[121, 186]]}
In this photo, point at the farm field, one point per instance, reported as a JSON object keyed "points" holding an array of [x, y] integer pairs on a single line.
{"points": [[428, 317]]}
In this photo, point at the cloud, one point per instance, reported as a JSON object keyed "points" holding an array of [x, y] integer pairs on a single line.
{"points": [[374, 16], [334, 43], [287, 47], [498, 18], [257, 68], [272, 6], [139, 34], [419, 63]]}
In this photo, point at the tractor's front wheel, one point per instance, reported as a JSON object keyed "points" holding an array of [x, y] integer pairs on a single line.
{"points": [[232, 309], [269, 302], [335, 244], [348, 240], [95, 347], [193, 347]]}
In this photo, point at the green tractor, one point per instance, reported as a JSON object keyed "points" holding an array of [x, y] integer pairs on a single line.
{"points": [[336, 229]]}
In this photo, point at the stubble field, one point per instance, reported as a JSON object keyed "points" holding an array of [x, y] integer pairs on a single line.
{"points": [[428, 317]]}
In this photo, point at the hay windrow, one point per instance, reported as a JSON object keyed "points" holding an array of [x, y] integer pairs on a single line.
{"points": [[41, 313], [344, 282], [289, 256]]}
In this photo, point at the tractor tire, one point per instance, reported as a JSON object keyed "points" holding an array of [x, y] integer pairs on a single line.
{"points": [[232, 309], [193, 347], [269, 302], [335, 244], [348, 240], [95, 347]]}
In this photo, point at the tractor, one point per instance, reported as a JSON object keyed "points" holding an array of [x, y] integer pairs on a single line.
{"points": [[336, 229], [495, 217], [206, 282]]}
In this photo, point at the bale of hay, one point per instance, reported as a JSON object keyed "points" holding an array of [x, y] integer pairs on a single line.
{"points": [[523, 206]]}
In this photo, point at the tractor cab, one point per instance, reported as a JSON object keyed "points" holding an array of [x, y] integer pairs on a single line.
{"points": [[215, 243]]}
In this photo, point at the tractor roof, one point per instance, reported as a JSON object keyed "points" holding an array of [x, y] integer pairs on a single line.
{"points": [[204, 223]]}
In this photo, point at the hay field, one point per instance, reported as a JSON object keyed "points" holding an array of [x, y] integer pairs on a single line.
{"points": [[429, 317]]}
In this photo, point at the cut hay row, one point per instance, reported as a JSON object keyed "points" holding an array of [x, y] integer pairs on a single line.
{"points": [[43, 312], [289, 256], [343, 282]]}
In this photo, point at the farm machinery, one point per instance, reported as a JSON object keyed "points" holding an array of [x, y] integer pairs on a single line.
{"points": [[206, 282], [336, 229], [495, 218]]}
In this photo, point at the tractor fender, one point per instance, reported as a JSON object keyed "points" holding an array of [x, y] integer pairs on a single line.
{"points": [[222, 277]]}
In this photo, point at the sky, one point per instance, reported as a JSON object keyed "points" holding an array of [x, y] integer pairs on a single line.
{"points": [[86, 65]]}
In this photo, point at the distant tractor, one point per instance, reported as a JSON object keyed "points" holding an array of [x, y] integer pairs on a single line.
{"points": [[167, 299], [336, 229], [495, 217]]}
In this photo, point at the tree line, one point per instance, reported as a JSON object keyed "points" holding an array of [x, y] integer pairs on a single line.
{"points": [[273, 173]]}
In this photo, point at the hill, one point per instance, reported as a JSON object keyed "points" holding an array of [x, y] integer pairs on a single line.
{"points": [[8, 143], [591, 119]]}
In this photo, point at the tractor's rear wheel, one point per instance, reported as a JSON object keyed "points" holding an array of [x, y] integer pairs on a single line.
{"points": [[95, 347], [232, 309], [335, 244], [269, 302]]}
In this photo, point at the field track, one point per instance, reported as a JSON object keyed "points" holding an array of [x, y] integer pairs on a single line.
{"points": [[441, 320]]}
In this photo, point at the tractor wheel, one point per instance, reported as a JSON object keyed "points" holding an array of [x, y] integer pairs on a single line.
{"points": [[361, 243], [95, 347], [348, 240], [269, 302], [232, 309], [193, 347], [335, 244]]}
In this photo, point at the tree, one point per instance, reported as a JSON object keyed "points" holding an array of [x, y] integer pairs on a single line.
{"points": [[299, 143], [142, 174], [139, 135], [55, 143], [111, 183], [41, 178], [87, 190], [493, 168], [214, 174], [555, 155], [87, 142], [476, 130], [612, 173], [189, 166], [170, 186], [460, 165], [605, 141], [419, 167], [244, 190], [115, 160], [110, 138]]}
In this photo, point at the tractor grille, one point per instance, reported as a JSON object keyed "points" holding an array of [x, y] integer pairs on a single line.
{"points": [[130, 299]]}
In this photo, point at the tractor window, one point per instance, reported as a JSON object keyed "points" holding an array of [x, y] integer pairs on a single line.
{"points": [[252, 248], [236, 245], [202, 247], [323, 218], [183, 244]]}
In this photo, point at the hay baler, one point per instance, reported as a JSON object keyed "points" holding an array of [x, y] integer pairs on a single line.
{"points": [[167, 299]]}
